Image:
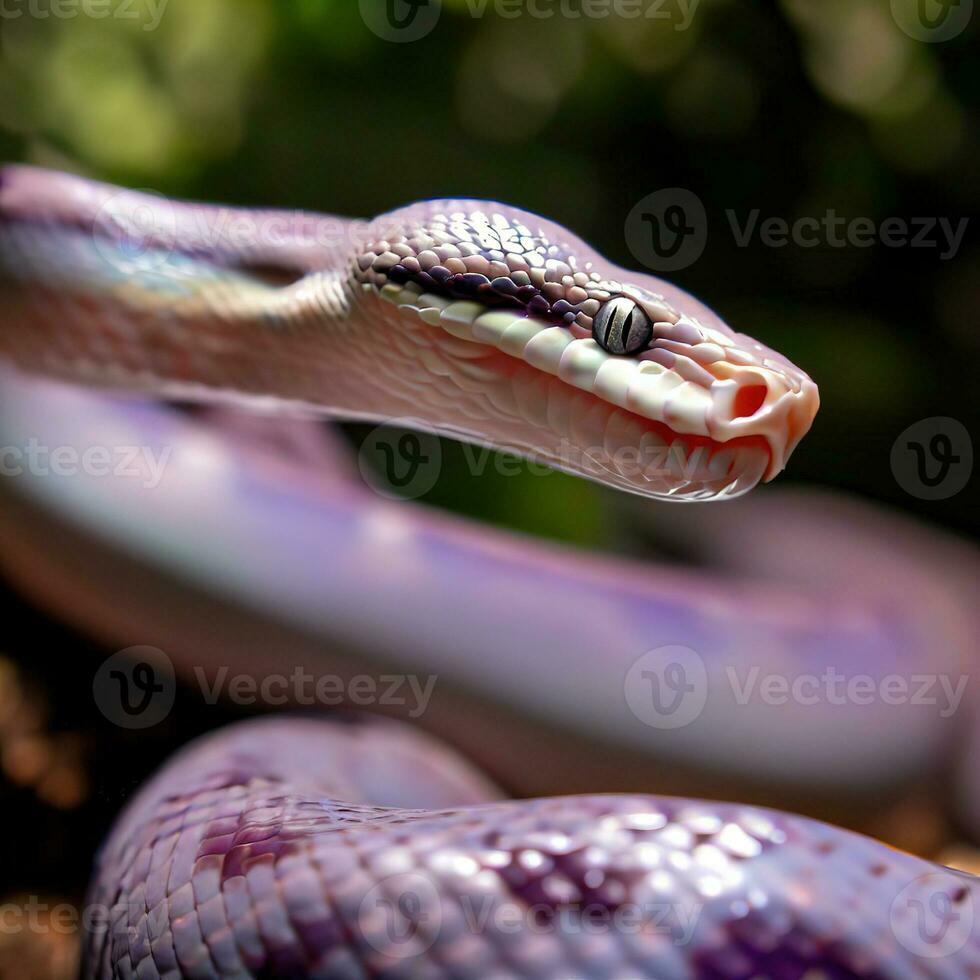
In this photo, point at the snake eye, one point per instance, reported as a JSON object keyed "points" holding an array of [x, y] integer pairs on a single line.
{"points": [[621, 327]]}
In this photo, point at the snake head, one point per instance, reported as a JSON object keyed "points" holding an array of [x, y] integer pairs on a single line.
{"points": [[554, 351], [468, 318]]}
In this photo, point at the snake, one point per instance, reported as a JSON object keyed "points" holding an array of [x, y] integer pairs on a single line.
{"points": [[362, 846]]}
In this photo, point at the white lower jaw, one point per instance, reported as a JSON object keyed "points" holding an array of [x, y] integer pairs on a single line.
{"points": [[598, 408], [616, 446]]}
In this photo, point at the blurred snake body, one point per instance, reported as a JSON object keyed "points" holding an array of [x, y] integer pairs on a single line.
{"points": [[286, 847]]}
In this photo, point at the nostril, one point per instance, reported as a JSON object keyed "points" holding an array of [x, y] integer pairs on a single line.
{"points": [[748, 401]]}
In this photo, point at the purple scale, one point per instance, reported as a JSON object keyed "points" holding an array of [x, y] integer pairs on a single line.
{"points": [[814, 900]]}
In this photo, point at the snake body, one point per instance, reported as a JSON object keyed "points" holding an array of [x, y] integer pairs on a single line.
{"points": [[260, 851], [291, 848]]}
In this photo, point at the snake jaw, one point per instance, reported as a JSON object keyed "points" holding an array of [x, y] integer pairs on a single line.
{"points": [[491, 338], [754, 390], [521, 286]]}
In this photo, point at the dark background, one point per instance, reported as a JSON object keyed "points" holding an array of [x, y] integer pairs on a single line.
{"points": [[791, 108]]}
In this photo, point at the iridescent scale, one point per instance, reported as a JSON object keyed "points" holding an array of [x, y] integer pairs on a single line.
{"points": [[498, 261]]}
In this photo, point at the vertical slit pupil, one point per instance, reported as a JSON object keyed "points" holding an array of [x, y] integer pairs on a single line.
{"points": [[627, 326]]}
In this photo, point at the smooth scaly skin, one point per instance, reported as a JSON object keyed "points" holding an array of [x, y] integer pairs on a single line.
{"points": [[185, 316], [336, 343], [876, 603], [304, 849]]}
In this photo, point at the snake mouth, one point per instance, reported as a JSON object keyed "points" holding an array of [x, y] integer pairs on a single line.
{"points": [[672, 426]]}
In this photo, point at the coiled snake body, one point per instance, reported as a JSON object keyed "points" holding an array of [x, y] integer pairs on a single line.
{"points": [[330, 849]]}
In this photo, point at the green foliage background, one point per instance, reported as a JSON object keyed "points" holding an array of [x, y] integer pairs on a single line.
{"points": [[792, 108]]}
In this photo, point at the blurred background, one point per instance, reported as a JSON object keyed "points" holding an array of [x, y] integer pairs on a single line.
{"points": [[863, 109]]}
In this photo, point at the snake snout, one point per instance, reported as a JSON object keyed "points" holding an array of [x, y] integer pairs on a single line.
{"points": [[767, 397], [613, 368]]}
